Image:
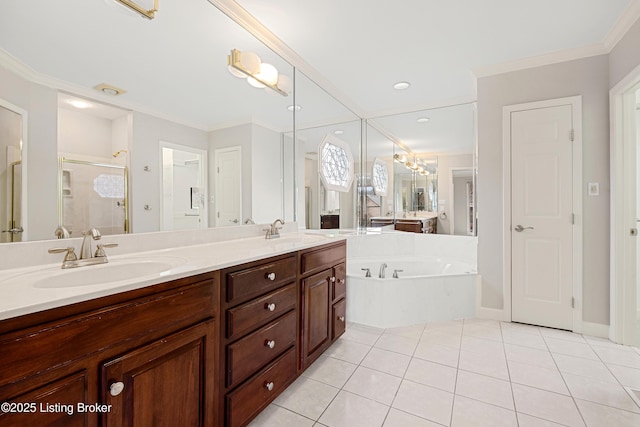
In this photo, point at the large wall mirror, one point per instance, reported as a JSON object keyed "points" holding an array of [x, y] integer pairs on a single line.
{"points": [[117, 100], [430, 156]]}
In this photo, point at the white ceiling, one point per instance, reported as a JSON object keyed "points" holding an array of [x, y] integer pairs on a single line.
{"points": [[364, 47], [174, 66]]}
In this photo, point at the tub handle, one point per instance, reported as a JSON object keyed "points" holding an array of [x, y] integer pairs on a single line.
{"points": [[368, 272], [395, 273]]}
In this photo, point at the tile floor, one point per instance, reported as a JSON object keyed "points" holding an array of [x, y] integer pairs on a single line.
{"points": [[463, 373]]}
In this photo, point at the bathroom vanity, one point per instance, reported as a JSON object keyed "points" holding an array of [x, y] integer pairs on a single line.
{"points": [[212, 348]]}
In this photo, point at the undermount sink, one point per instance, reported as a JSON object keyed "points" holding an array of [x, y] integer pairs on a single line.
{"points": [[114, 271]]}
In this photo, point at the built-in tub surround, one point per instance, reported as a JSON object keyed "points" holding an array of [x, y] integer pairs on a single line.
{"points": [[168, 256], [437, 280]]}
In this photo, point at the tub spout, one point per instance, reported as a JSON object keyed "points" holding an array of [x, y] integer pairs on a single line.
{"points": [[382, 267]]}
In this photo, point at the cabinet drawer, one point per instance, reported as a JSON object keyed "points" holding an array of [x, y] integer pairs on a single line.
{"points": [[246, 356], [245, 402], [322, 258], [251, 282], [338, 321], [339, 285], [255, 313]]}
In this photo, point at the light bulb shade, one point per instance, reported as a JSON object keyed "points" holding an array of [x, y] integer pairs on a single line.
{"points": [[253, 82], [284, 83], [250, 62], [268, 74], [236, 72]]}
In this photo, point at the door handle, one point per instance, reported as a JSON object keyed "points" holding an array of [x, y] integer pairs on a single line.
{"points": [[16, 230], [520, 228]]}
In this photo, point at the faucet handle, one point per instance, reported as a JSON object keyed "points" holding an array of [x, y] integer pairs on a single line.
{"points": [[100, 249], [395, 273], [368, 272], [70, 253]]}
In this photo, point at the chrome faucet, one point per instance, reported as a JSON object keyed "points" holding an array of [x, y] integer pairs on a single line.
{"points": [[272, 231], [85, 249], [382, 267]]}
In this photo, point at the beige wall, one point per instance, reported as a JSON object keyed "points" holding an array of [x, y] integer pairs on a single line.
{"points": [[625, 56], [588, 77]]}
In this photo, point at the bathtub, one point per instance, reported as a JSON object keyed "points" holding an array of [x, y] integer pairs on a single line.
{"points": [[438, 279]]}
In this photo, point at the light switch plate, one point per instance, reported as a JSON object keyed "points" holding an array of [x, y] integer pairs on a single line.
{"points": [[594, 188]]}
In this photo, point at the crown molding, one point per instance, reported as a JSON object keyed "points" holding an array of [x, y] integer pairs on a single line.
{"points": [[541, 60], [622, 25], [247, 21]]}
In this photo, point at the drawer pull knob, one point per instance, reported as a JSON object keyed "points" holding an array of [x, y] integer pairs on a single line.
{"points": [[271, 276], [333, 279], [116, 388], [270, 343], [341, 318], [269, 385], [270, 306]]}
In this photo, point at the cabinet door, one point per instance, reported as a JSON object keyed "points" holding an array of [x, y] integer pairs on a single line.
{"points": [[166, 383], [315, 315], [55, 404], [338, 320]]}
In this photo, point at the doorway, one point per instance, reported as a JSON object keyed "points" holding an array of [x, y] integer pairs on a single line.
{"points": [[462, 207], [183, 183], [228, 198], [542, 158], [625, 212]]}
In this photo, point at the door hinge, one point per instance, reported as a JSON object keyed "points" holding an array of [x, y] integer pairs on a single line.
{"points": [[573, 219], [218, 214], [573, 302], [572, 135], [218, 169]]}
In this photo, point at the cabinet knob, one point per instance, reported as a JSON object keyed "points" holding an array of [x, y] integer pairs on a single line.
{"points": [[341, 318], [270, 343], [341, 281], [269, 385], [333, 279], [271, 276], [270, 306], [116, 388]]}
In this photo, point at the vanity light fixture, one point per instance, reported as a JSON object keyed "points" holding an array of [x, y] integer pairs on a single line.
{"points": [[423, 120], [149, 14], [258, 74], [401, 85], [424, 172], [338, 132], [399, 158], [294, 107], [108, 89]]}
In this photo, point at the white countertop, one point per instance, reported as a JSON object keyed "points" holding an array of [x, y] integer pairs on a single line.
{"points": [[27, 290]]}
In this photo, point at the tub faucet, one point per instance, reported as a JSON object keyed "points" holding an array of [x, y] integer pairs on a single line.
{"points": [[395, 273], [367, 272], [85, 249], [272, 231], [382, 267]]}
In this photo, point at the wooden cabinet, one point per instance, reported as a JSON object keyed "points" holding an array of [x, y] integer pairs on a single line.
{"points": [[209, 350], [159, 342], [322, 300], [258, 336], [329, 221]]}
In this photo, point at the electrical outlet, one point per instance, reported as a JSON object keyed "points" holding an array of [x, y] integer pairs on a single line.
{"points": [[594, 188]]}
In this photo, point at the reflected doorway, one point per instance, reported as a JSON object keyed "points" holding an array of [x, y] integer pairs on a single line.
{"points": [[184, 193], [228, 198], [11, 166]]}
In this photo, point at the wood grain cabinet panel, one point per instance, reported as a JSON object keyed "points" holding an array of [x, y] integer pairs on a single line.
{"points": [[166, 383], [251, 282]]}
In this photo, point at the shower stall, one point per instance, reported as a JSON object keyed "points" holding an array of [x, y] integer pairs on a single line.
{"points": [[92, 194]]}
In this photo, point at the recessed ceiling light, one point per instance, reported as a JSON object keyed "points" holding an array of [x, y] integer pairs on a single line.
{"points": [[401, 85], [338, 132], [108, 89], [423, 120], [294, 107], [79, 104]]}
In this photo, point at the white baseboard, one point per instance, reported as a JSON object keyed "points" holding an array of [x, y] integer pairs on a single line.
{"points": [[595, 329], [489, 313]]}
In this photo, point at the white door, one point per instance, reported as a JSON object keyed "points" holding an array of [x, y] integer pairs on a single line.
{"points": [[541, 216], [228, 198]]}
